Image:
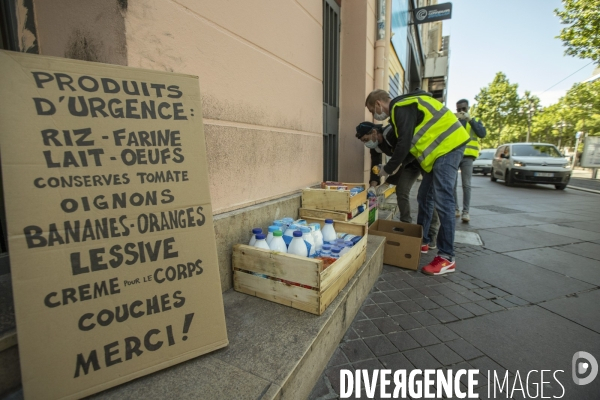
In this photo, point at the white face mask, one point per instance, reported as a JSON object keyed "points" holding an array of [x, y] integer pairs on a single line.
{"points": [[379, 117], [371, 144]]}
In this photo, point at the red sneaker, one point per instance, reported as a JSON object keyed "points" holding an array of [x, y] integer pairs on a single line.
{"points": [[424, 248], [439, 266]]}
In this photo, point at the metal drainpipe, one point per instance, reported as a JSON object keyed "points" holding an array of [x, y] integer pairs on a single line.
{"points": [[380, 46]]}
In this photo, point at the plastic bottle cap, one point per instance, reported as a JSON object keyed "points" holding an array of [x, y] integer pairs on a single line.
{"points": [[329, 221], [335, 250], [256, 230], [277, 233], [273, 228], [260, 236], [297, 234], [326, 247], [305, 229], [348, 243]]}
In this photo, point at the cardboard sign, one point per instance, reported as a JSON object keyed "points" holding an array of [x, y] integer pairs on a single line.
{"points": [[110, 230]]}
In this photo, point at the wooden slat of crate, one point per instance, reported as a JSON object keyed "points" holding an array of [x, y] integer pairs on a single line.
{"points": [[324, 214], [361, 218], [342, 280], [357, 200], [290, 267], [389, 191], [339, 226], [292, 296], [331, 274]]}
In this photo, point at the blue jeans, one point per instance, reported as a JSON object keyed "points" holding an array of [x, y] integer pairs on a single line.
{"points": [[437, 188], [466, 173], [408, 177]]}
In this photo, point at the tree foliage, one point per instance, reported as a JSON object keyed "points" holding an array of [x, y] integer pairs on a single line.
{"points": [[529, 107], [582, 35], [498, 106], [507, 115]]}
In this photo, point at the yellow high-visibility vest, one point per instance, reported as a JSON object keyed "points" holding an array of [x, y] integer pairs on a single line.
{"points": [[473, 147], [439, 133]]}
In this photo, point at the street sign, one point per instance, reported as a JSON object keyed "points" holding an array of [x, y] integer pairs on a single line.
{"points": [[433, 13]]}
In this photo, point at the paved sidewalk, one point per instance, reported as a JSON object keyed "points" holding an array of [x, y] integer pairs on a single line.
{"points": [[525, 300], [582, 179], [585, 183]]}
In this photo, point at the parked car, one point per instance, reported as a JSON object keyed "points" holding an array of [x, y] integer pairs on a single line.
{"points": [[531, 163], [483, 163]]}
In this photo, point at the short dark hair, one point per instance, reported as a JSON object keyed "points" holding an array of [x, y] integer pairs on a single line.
{"points": [[365, 127], [463, 101], [377, 94]]}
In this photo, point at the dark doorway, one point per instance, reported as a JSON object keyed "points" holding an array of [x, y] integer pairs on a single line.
{"points": [[331, 110]]}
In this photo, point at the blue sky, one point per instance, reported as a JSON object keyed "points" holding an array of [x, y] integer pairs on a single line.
{"points": [[516, 37]]}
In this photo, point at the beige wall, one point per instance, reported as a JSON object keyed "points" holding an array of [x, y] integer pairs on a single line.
{"points": [[88, 30], [260, 66], [260, 69], [357, 76]]}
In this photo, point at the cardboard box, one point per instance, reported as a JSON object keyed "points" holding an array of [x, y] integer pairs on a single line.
{"points": [[317, 288], [403, 242]]}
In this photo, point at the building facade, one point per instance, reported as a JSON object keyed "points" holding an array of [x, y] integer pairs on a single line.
{"points": [[283, 83], [283, 86]]}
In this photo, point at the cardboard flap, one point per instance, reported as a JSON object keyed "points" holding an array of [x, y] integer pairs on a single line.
{"points": [[401, 228]]}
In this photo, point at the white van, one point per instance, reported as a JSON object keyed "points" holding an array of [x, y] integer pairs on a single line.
{"points": [[531, 163]]}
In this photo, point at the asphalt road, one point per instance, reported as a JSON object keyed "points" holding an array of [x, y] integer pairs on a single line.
{"points": [[527, 300]]}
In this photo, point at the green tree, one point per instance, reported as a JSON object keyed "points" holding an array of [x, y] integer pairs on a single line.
{"points": [[583, 102], [498, 107], [544, 125], [529, 107], [582, 35]]}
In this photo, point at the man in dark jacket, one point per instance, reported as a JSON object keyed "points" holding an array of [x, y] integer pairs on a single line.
{"points": [[476, 130], [430, 133], [381, 140]]}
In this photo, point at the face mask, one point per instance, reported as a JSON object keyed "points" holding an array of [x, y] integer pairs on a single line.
{"points": [[380, 117], [371, 144]]}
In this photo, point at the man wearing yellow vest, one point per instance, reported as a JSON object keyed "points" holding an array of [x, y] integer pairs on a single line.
{"points": [[430, 133], [476, 130]]}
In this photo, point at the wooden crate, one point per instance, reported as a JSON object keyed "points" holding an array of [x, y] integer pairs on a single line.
{"points": [[360, 219], [334, 200], [325, 284], [389, 191]]}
